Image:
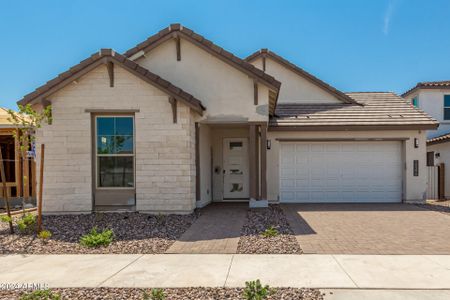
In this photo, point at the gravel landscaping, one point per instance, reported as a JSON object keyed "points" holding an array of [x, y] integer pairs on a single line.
{"points": [[172, 294], [253, 241], [439, 206], [133, 233]]}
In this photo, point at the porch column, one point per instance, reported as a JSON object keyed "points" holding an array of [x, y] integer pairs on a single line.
{"points": [[263, 146], [197, 162], [252, 162]]}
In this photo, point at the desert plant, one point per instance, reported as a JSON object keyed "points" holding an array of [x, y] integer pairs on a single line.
{"points": [[270, 232], [158, 294], [26, 223], [255, 291], [5, 219], [95, 238], [44, 235], [40, 295]]}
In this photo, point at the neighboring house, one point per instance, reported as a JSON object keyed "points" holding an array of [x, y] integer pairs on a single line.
{"points": [[434, 98], [178, 122], [19, 172]]}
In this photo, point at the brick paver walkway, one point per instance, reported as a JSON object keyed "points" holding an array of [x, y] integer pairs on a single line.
{"points": [[369, 229], [217, 230]]}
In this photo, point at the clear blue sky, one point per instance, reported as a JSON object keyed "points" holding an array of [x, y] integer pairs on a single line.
{"points": [[355, 45]]}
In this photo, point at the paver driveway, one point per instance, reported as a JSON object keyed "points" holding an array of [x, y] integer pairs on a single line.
{"points": [[369, 228]]}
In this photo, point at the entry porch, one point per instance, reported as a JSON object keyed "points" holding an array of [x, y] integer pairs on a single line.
{"points": [[231, 162]]}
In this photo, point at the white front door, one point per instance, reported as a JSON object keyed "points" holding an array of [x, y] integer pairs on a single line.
{"points": [[341, 172], [235, 168]]}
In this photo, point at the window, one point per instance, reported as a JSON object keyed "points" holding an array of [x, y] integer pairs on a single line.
{"points": [[415, 101], [446, 107], [430, 158], [115, 151]]}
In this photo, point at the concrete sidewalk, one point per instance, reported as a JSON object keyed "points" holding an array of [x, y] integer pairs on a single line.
{"points": [[216, 270]]}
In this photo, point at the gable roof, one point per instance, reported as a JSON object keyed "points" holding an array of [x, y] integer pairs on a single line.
{"points": [[439, 139], [102, 57], [428, 85], [175, 30], [296, 69], [381, 110]]}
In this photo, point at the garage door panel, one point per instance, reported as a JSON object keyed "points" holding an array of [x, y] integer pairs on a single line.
{"points": [[341, 172]]}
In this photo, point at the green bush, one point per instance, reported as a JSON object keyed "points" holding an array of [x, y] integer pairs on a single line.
{"points": [[5, 219], [96, 239], [44, 235], [40, 295], [26, 223], [255, 291], [270, 232]]}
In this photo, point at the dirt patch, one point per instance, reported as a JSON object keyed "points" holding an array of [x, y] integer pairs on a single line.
{"points": [[258, 221]]}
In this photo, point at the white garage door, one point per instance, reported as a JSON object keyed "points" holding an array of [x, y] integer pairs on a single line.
{"points": [[340, 172]]}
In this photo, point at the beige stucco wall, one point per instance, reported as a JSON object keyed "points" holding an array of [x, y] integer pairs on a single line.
{"points": [[225, 91], [444, 157], [295, 88], [165, 156], [414, 186]]}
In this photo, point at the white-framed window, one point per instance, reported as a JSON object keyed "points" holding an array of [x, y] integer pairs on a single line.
{"points": [[115, 150], [446, 107]]}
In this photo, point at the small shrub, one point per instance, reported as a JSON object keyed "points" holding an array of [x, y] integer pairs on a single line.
{"points": [[96, 239], [40, 295], [44, 235], [5, 219], [158, 294], [255, 291], [27, 223], [270, 232]]}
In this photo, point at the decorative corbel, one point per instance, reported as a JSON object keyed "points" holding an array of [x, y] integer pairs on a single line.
{"points": [[255, 92], [178, 43], [173, 102], [110, 67]]}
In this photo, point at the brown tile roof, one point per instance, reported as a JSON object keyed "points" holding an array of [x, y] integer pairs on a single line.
{"points": [[380, 110], [102, 57], [296, 69], [439, 139], [428, 85], [188, 34]]}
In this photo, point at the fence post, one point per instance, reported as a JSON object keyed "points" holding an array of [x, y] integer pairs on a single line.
{"points": [[441, 181], [41, 180], [5, 192]]}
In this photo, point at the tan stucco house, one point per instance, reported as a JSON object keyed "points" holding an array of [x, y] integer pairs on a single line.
{"points": [[178, 122]]}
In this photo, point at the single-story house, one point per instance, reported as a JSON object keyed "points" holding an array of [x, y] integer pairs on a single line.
{"points": [[177, 122]]}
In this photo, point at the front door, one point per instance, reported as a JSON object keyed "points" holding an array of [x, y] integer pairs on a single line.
{"points": [[235, 168]]}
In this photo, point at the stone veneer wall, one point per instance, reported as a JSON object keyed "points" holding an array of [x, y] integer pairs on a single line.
{"points": [[165, 156]]}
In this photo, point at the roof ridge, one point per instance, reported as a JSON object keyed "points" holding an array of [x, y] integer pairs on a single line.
{"points": [[283, 61], [209, 46]]}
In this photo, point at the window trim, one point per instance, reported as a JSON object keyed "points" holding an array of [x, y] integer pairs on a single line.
{"points": [[444, 107], [96, 155]]}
